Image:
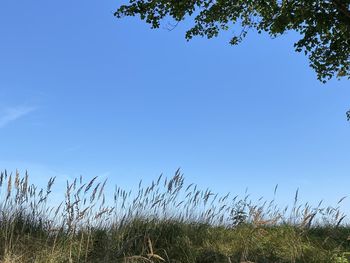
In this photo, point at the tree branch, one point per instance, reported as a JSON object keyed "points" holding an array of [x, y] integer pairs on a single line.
{"points": [[342, 8]]}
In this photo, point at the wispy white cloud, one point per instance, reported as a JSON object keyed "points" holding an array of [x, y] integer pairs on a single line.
{"points": [[11, 114]]}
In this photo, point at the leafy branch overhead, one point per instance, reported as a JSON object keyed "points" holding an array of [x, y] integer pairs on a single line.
{"points": [[323, 25]]}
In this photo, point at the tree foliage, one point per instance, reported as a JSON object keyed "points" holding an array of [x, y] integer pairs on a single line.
{"points": [[323, 25]]}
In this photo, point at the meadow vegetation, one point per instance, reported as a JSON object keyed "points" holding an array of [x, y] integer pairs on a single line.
{"points": [[166, 221]]}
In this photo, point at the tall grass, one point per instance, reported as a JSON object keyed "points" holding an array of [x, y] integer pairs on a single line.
{"points": [[166, 221]]}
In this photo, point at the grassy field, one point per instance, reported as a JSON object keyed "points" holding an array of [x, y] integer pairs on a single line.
{"points": [[167, 221]]}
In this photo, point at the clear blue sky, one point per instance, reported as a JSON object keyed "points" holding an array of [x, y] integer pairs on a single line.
{"points": [[84, 93]]}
